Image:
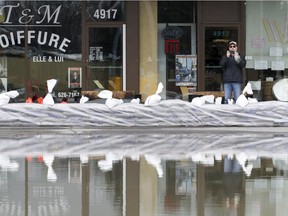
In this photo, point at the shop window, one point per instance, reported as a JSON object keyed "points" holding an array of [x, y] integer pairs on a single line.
{"points": [[266, 36], [176, 12], [39, 42], [105, 65], [12, 50], [177, 45], [56, 47]]}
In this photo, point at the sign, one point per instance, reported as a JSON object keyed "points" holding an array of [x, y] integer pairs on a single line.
{"points": [[172, 33], [172, 47], [43, 16], [75, 77], [186, 70]]}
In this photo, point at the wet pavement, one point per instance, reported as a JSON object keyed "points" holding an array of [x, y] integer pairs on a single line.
{"points": [[143, 171]]}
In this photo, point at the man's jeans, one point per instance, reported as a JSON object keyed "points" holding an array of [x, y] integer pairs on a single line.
{"points": [[232, 87]]}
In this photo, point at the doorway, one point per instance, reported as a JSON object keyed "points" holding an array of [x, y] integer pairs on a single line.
{"points": [[216, 41], [106, 56]]}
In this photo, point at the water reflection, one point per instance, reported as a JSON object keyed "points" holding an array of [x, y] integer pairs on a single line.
{"points": [[87, 174]]}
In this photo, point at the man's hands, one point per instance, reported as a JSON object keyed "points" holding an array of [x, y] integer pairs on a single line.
{"points": [[228, 54], [237, 57]]}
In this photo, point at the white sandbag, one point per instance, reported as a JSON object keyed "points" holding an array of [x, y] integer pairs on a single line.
{"points": [[4, 99], [252, 100], [218, 100], [155, 98], [197, 101], [83, 99], [230, 101], [112, 102], [208, 98], [12, 94], [48, 99], [135, 101], [242, 101], [51, 84], [152, 100], [159, 88], [248, 89], [105, 94]]}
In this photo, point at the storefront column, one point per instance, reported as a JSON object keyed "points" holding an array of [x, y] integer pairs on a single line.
{"points": [[148, 48]]}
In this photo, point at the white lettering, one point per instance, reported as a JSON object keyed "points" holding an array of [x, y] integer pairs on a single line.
{"points": [[44, 10], [40, 36], [54, 38], [31, 35], [7, 21], [4, 42], [12, 38], [24, 17], [48, 14], [39, 59], [64, 44], [44, 38], [20, 35]]}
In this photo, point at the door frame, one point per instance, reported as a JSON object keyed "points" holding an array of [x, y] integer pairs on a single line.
{"points": [[201, 46], [85, 48]]}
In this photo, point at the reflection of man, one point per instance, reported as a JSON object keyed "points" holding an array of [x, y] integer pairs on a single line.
{"points": [[232, 182], [75, 80]]}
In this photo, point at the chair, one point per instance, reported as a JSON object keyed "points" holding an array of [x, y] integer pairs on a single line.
{"points": [[257, 89]]}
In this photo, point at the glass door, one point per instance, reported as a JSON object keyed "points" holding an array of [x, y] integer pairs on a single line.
{"points": [[106, 58], [216, 40]]}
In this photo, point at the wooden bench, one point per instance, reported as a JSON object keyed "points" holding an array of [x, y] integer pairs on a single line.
{"points": [[92, 95]]}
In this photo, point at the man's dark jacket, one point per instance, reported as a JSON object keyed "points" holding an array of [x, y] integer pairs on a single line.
{"points": [[232, 71]]}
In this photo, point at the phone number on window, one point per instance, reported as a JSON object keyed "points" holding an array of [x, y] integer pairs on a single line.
{"points": [[67, 94]]}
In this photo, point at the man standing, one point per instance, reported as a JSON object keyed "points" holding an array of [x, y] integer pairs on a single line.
{"points": [[232, 64]]}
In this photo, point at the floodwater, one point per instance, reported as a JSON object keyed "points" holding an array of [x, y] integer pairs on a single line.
{"points": [[195, 172]]}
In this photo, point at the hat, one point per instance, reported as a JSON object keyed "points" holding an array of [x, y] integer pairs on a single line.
{"points": [[232, 42]]}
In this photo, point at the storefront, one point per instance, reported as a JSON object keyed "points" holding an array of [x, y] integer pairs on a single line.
{"points": [[134, 45], [81, 44]]}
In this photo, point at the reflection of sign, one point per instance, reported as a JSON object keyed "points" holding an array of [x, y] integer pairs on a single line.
{"points": [[75, 77], [186, 70], [172, 33], [96, 54]]}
